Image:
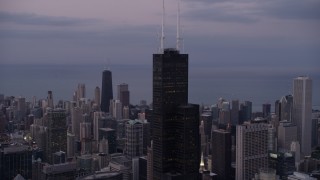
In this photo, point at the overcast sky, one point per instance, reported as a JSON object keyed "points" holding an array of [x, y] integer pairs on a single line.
{"points": [[274, 34]]}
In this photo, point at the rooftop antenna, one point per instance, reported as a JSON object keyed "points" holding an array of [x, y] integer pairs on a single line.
{"points": [[162, 29], [178, 28]]}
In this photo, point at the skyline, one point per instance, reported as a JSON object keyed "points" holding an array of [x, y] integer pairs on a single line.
{"points": [[248, 42], [250, 35]]}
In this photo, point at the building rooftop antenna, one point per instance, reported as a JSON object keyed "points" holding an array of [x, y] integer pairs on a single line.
{"points": [[178, 28], [162, 29]]}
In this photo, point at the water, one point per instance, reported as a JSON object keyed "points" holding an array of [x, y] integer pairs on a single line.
{"points": [[206, 85]]}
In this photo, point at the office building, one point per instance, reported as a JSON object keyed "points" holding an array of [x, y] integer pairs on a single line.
{"points": [[111, 136], [123, 94], [14, 160], [97, 96], [235, 112], [283, 163], [76, 118], [116, 109], [286, 104], [266, 110], [81, 91], [50, 100], [221, 154], [106, 91], [302, 111], [175, 125], [287, 133], [251, 149], [57, 133], [134, 138]]}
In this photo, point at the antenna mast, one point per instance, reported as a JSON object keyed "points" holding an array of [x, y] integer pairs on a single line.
{"points": [[178, 27], [162, 29]]}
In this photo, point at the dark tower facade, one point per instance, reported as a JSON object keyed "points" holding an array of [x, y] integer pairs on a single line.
{"points": [[221, 154], [57, 133], [106, 92], [175, 122]]}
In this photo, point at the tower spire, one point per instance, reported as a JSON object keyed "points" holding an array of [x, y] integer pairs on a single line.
{"points": [[162, 29], [178, 27]]}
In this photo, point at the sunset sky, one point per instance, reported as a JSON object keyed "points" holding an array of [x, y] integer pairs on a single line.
{"points": [[282, 35]]}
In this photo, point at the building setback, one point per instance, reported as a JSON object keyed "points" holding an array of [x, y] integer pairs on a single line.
{"points": [[175, 149]]}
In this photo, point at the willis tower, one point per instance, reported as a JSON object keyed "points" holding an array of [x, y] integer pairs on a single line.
{"points": [[176, 146]]}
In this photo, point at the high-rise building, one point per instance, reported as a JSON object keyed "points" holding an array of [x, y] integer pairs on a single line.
{"points": [[97, 96], [50, 99], [116, 109], [221, 154], [57, 133], [302, 111], [176, 146], [286, 104], [235, 112], [287, 133], [81, 91], [134, 138], [123, 94], [252, 149], [76, 117], [266, 110], [14, 160], [106, 92]]}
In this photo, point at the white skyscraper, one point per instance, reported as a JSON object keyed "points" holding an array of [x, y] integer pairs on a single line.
{"points": [[302, 111], [251, 149]]}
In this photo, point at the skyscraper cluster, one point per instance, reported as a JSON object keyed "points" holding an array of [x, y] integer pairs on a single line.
{"points": [[106, 137]]}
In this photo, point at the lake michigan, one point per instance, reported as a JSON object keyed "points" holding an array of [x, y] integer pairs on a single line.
{"points": [[206, 84]]}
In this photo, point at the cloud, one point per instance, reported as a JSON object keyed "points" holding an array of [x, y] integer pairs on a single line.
{"points": [[221, 11], [41, 20], [291, 9], [249, 11]]}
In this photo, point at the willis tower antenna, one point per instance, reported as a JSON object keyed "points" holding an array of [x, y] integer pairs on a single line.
{"points": [[175, 124]]}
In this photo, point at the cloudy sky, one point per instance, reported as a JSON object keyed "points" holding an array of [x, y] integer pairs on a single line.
{"points": [[274, 34]]}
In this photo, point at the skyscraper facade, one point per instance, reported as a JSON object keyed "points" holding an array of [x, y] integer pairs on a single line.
{"points": [[57, 133], [106, 92], [170, 91], [251, 149], [221, 154], [134, 138], [123, 94], [97, 96], [302, 111]]}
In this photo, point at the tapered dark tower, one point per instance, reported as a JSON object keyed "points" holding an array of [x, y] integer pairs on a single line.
{"points": [[106, 92], [175, 123]]}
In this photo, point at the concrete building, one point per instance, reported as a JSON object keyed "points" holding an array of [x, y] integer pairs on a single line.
{"points": [[221, 154], [287, 133], [134, 138], [302, 111], [251, 149]]}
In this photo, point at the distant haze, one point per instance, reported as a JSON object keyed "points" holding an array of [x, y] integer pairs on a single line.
{"points": [[222, 37]]}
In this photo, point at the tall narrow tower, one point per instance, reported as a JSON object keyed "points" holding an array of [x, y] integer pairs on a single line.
{"points": [[176, 143], [106, 92], [302, 111], [176, 139]]}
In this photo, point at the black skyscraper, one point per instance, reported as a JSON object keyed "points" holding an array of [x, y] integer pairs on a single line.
{"points": [[106, 92], [175, 123]]}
